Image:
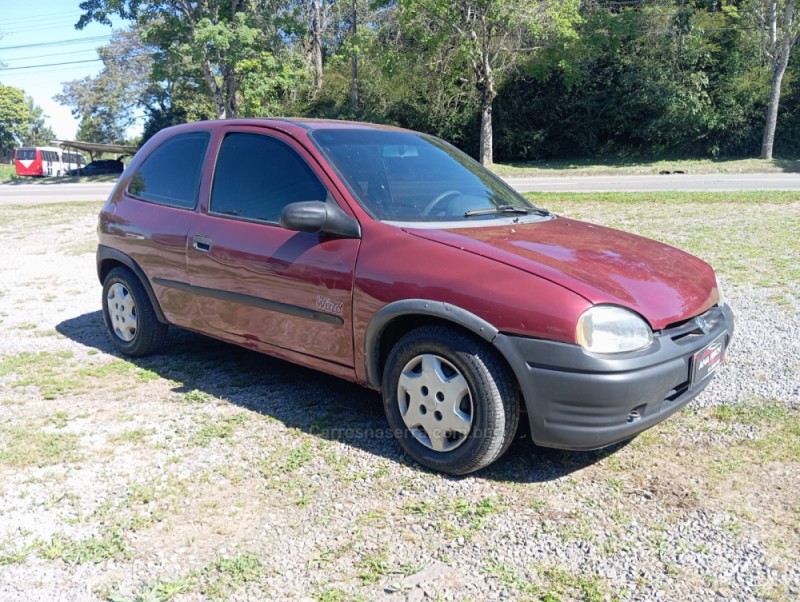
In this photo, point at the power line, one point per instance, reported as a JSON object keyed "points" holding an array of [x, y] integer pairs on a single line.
{"points": [[28, 17], [9, 26], [44, 20], [49, 54], [49, 65], [60, 42], [28, 31]]}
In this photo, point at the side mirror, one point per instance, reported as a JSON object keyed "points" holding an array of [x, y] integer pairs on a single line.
{"points": [[317, 217]]}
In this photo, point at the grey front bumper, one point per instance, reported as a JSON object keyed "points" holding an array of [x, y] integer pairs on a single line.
{"points": [[578, 400]]}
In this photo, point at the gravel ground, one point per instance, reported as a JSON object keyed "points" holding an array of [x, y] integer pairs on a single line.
{"points": [[210, 472]]}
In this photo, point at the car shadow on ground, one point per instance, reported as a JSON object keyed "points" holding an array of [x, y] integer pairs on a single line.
{"points": [[310, 401]]}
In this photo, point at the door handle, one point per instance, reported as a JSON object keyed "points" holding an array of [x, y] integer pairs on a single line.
{"points": [[201, 242]]}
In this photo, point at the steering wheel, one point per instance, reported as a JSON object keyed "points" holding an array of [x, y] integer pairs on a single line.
{"points": [[438, 199]]}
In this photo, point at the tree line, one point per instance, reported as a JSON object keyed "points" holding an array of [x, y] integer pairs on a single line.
{"points": [[510, 80]]}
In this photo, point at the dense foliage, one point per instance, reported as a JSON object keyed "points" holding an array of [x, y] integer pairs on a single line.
{"points": [[21, 121], [570, 78]]}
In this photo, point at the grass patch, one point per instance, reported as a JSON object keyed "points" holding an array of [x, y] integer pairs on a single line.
{"points": [[160, 591], [25, 218], [373, 567], [8, 173], [94, 549], [134, 436], [55, 375], [59, 419], [476, 514], [298, 457], [753, 413], [44, 370], [568, 586], [782, 442], [196, 396], [507, 576], [777, 438], [21, 447], [17, 556], [26, 361], [220, 429], [225, 575], [619, 166], [118, 367]]}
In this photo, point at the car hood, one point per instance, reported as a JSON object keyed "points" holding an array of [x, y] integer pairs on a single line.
{"points": [[663, 284]]}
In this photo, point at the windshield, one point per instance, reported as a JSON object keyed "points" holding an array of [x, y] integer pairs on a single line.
{"points": [[410, 177], [26, 154]]}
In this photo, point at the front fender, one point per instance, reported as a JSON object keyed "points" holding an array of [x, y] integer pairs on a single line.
{"points": [[416, 307]]}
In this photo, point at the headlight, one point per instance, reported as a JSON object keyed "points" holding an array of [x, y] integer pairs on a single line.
{"points": [[608, 329], [721, 301]]}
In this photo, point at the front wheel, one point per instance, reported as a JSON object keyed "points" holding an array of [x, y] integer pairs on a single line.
{"points": [[450, 400], [129, 316]]}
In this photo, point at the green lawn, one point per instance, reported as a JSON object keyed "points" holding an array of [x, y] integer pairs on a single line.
{"points": [[7, 172], [639, 166]]}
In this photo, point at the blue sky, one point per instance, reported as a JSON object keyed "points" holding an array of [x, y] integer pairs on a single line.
{"points": [[51, 25]]}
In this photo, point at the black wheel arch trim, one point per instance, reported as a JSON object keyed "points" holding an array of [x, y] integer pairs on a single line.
{"points": [[105, 253], [416, 307]]}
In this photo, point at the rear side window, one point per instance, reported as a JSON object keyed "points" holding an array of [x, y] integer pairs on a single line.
{"points": [[257, 176], [171, 174]]}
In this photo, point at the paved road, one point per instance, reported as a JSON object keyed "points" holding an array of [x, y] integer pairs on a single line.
{"points": [[25, 193], [51, 191], [710, 182]]}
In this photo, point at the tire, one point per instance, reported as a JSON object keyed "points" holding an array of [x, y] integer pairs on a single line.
{"points": [[129, 316], [450, 400]]}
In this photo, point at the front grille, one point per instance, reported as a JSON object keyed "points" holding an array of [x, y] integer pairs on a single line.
{"points": [[692, 327]]}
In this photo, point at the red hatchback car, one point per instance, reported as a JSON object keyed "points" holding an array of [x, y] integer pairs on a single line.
{"points": [[389, 258]]}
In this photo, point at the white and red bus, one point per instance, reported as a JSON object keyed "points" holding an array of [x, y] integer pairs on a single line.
{"points": [[46, 161]]}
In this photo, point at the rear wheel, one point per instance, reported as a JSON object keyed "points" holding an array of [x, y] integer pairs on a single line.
{"points": [[129, 316], [450, 400]]}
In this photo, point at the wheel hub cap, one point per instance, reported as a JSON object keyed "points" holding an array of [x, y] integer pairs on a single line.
{"points": [[435, 402], [122, 312]]}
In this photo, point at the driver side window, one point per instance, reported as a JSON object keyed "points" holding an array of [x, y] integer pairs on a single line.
{"points": [[257, 176]]}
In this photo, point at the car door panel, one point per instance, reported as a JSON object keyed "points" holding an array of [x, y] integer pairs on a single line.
{"points": [[289, 289], [256, 280]]}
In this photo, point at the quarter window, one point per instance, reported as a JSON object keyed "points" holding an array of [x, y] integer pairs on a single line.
{"points": [[171, 174], [257, 176]]}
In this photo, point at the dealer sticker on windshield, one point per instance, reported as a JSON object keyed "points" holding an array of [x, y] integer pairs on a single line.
{"points": [[708, 359]]}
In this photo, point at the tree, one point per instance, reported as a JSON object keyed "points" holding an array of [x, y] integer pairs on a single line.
{"points": [[38, 133], [215, 37], [780, 29], [107, 104], [15, 117], [658, 77], [491, 35]]}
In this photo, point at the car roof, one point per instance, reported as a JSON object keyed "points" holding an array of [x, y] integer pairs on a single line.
{"points": [[292, 125]]}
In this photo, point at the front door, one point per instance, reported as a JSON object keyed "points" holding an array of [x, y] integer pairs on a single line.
{"points": [[256, 280]]}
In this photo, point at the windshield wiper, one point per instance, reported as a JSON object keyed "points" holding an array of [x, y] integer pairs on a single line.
{"points": [[499, 209]]}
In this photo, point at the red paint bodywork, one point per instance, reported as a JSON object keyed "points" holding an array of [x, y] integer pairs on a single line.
{"points": [[530, 279]]}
